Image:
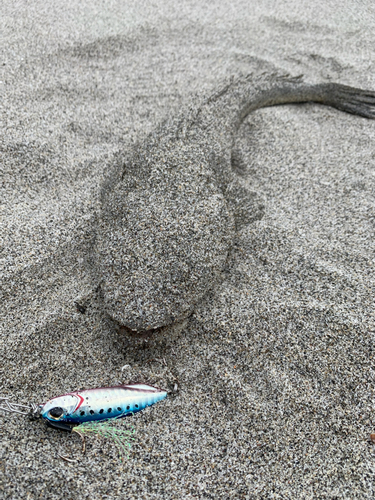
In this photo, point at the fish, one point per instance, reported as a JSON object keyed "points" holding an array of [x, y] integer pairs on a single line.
{"points": [[170, 207], [75, 408]]}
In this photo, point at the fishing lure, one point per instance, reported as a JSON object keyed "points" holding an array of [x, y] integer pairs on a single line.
{"points": [[75, 408]]}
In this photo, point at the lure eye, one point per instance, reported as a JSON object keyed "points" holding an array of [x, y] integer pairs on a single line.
{"points": [[56, 413]]}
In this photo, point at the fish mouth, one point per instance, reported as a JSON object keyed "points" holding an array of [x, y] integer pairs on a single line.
{"points": [[160, 332], [144, 334]]}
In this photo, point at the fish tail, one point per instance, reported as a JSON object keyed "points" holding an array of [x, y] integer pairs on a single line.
{"points": [[293, 90], [349, 99]]}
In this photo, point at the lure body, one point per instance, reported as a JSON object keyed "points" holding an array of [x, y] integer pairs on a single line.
{"points": [[99, 404]]}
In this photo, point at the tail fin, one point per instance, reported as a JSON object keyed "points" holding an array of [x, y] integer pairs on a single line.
{"points": [[348, 99], [293, 90]]}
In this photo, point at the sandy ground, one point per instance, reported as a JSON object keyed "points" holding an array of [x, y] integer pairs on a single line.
{"points": [[275, 366]]}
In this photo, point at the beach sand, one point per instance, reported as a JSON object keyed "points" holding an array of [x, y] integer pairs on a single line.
{"points": [[275, 366]]}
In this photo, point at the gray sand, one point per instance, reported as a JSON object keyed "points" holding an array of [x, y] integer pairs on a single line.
{"points": [[274, 366]]}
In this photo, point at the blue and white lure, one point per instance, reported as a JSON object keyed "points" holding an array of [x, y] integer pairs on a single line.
{"points": [[103, 403], [75, 408]]}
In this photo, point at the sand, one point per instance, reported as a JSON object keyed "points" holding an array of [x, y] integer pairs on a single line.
{"points": [[275, 365]]}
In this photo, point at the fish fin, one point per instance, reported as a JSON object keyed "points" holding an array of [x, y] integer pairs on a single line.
{"points": [[349, 99], [247, 206]]}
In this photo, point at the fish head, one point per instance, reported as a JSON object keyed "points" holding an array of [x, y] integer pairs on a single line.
{"points": [[163, 237], [60, 408]]}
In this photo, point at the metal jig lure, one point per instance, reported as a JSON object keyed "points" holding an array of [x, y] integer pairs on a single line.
{"points": [[75, 408]]}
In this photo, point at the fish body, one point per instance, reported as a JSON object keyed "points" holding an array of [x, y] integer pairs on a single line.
{"points": [[169, 209], [99, 404]]}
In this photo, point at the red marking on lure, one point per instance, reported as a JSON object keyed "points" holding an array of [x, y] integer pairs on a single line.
{"points": [[78, 396]]}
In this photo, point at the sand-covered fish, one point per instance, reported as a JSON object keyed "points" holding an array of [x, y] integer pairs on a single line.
{"points": [[168, 213]]}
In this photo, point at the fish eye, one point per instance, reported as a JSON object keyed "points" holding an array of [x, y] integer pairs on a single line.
{"points": [[56, 413]]}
